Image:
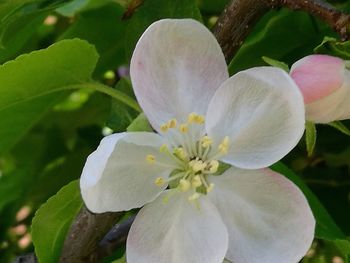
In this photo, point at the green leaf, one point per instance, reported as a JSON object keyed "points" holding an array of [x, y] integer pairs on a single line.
{"points": [[120, 260], [121, 116], [140, 124], [71, 8], [326, 228], [210, 6], [276, 63], [52, 221], [340, 127], [283, 35], [29, 83], [334, 47], [76, 6], [310, 137], [153, 10], [11, 187], [104, 29], [19, 20]]}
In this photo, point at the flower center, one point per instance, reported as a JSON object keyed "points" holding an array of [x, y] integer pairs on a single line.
{"points": [[195, 154]]}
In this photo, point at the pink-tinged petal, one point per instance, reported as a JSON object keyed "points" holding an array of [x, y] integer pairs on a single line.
{"points": [[318, 76], [117, 176], [177, 231], [267, 216], [261, 110], [333, 107], [176, 67]]}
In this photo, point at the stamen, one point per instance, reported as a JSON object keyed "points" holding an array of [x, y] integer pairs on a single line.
{"points": [[199, 119], [183, 128], [172, 123], [213, 166], [151, 159], [196, 181], [195, 118], [197, 165], [224, 145], [164, 127], [206, 141], [181, 153], [159, 181], [184, 185], [210, 187], [164, 149], [192, 151], [191, 117]]}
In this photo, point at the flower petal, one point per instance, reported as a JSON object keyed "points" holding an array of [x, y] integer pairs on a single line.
{"points": [[318, 76], [177, 231], [262, 112], [267, 216], [334, 107], [176, 67], [117, 177]]}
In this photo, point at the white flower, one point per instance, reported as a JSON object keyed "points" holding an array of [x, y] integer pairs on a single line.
{"points": [[203, 118], [325, 84]]}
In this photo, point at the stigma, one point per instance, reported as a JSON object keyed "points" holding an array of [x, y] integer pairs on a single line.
{"points": [[195, 153]]}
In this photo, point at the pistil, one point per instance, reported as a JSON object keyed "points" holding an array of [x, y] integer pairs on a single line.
{"points": [[193, 155]]}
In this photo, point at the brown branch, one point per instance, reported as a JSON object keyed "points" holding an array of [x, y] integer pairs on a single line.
{"points": [[84, 235], [238, 18], [236, 22], [114, 239], [339, 21], [28, 258]]}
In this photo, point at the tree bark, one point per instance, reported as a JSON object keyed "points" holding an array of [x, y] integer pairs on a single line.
{"points": [[239, 17]]}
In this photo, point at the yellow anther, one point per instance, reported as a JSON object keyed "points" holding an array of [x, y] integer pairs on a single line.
{"points": [[164, 148], [184, 185], [164, 127], [199, 119], [193, 197], [213, 166], [197, 165], [196, 181], [181, 153], [172, 123], [210, 188], [151, 159], [191, 117], [183, 128], [159, 181], [224, 145], [206, 141], [195, 118]]}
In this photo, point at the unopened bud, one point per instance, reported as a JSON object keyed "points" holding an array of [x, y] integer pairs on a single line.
{"points": [[325, 84]]}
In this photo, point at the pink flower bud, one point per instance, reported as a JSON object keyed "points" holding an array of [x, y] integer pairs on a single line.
{"points": [[325, 84]]}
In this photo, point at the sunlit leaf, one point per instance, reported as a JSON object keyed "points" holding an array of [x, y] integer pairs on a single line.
{"points": [[276, 63], [104, 29], [310, 137], [29, 83], [340, 127], [52, 221], [332, 46]]}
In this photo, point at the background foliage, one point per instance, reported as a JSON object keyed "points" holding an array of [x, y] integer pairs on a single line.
{"points": [[53, 114]]}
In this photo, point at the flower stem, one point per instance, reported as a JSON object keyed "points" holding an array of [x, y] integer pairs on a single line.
{"points": [[115, 94]]}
